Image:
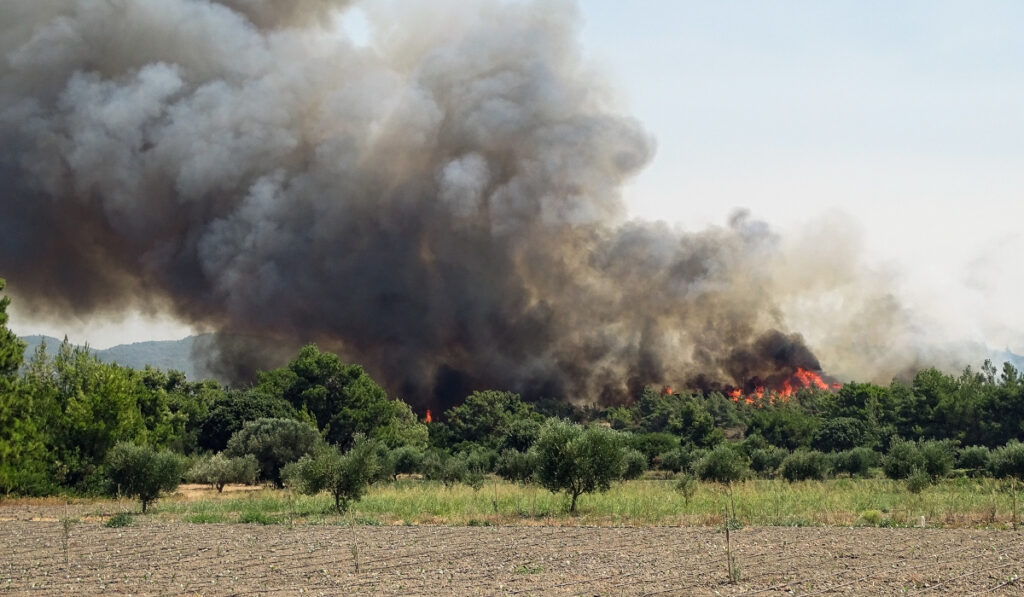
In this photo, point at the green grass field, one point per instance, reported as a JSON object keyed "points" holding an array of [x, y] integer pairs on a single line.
{"points": [[958, 502]]}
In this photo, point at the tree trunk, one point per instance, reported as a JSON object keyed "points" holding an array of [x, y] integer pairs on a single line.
{"points": [[572, 506]]}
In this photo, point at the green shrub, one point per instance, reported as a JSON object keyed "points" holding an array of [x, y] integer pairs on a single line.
{"points": [[871, 517], [256, 517], [766, 461], [938, 458], [722, 465], [856, 462], [803, 465], [274, 443], [121, 519], [142, 472], [918, 481], [634, 464], [1008, 460], [219, 470], [516, 466], [839, 434], [974, 459], [406, 460], [902, 460], [687, 485], [346, 476]]}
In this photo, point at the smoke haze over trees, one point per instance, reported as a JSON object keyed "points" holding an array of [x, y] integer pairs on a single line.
{"points": [[442, 206]]}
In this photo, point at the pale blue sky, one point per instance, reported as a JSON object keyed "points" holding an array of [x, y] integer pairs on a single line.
{"points": [[905, 117]]}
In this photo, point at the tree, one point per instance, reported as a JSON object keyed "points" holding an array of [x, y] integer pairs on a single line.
{"points": [[494, 419], [577, 460], [24, 457], [274, 443], [903, 459], [219, 470], [346, 476], [142, 472], [231, 410], [405, 460], [343, 400], [804, 464], [721, 465], [840, 433]]}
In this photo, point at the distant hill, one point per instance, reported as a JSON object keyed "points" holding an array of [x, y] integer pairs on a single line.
{"points": [[162, 354]]}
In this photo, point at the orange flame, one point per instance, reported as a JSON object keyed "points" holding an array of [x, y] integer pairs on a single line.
{"points": [[802, 378], [667, 390], [428, 418]]}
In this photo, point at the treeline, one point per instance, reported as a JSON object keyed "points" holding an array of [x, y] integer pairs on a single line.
{"points": [[70, 423]]}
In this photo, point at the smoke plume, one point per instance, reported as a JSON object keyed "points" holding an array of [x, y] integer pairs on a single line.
{"points": [[441, 206]]}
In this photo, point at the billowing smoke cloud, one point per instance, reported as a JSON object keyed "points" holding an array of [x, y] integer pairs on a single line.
{"points": [[442, 206]]}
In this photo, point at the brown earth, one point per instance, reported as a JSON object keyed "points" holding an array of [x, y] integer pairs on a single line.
{"points": [[159, 558]]}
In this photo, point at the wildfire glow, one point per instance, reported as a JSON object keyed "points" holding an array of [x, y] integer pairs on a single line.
{"points": [[802, 378], [428, 418]]}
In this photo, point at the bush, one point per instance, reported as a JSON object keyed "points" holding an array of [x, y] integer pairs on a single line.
{"points": [[219, 470], [679, 459], [840, 433], [766, 461], [274, 443], [687, 485], [974, 459], [803, 465], [1008, 460], [635, 463], [406, 460], [902, 460], [516, 466], [121, 519], [346, 476], [142, 472], [577, 460], [856, 462], [722, 465], [938, 458], [918, 481]]}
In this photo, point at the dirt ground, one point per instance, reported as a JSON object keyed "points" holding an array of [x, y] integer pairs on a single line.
{"points": [[168, 558]]}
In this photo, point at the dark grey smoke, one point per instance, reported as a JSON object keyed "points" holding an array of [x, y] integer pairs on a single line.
{"points": [[442, 207]]}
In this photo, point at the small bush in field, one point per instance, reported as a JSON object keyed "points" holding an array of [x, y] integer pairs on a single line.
{"points": [[975, 459], [219, 470], [856, 462], [766, 461], [142, 472], [938, 458], [918, 481], [721, 465], [406, 460], [635, 464], [121, 519], [516, 466], [687, 485], [1008, 460], [904, 457], [346, 476], [803, 465]]}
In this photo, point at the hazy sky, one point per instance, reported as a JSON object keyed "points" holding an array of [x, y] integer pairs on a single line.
{"points": [[901, 123]]}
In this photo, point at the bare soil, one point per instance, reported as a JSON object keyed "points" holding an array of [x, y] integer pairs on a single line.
{"points": [[152, 557]]}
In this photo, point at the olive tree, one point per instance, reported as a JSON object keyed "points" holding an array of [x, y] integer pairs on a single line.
{"points": [[219, 470], [274, 443], [142, 472], [345, 475], [577, 460]]}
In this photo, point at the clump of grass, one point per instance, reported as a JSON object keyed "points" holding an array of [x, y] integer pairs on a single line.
{"points": [[121, 519], [257, 517], [871, 518]]}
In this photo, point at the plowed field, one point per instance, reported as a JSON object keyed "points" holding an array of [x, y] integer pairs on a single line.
{"points": [[158, 558]]}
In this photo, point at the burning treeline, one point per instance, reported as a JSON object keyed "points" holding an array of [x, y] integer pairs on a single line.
{"points": [[442, 206]]}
